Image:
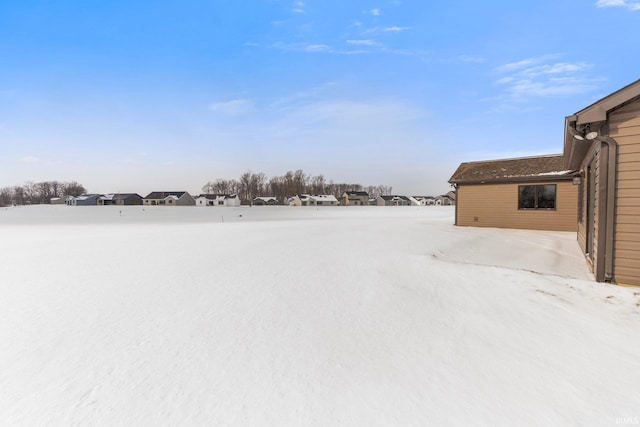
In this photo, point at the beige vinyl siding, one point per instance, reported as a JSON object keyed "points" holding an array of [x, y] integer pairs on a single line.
{"points": [[496, 205], [624, 127]]}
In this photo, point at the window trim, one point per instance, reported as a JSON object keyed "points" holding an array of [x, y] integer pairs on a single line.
{"points": [[536, 187]]}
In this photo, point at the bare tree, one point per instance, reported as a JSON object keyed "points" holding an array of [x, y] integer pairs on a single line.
{"points": [[73, 189], [29, 192], [18, 195], [6, 196]]}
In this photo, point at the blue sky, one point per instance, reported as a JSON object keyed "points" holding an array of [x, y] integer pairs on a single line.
{"points": [[167, 95]]}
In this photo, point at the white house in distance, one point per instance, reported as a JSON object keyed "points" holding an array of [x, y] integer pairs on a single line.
{"points": [[169, 198], [422, 200], [393, 201], [217, 200], [83, 200], [314, 200], [264, 201], [354, 198]]}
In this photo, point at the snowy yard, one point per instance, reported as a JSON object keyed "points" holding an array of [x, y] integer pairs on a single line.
{"points": [[279, 316]]}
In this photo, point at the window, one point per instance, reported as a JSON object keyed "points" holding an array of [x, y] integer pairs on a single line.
{"points": [[537, 196]]}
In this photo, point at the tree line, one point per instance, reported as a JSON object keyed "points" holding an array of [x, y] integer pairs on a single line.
{"points": [[251, 185], [39, 192], [247, 187]]}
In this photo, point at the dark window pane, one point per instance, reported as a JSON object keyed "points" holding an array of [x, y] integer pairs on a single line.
{"points": [[546, 196], [526, 197]]}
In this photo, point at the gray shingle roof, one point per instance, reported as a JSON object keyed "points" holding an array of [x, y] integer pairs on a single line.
{"points": [[525, 168], [163, 194]]}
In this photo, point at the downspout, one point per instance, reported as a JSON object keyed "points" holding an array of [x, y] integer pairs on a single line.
{"points": [[611, 200], [455, 187]]}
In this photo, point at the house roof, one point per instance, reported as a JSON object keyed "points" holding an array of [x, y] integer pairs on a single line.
{"points": [[87, 196], [213, 196], [123, 196], [509, 170], [265, 198], [324, 198], [357, 193], [592, 118], [164, 194], [395, 198]]}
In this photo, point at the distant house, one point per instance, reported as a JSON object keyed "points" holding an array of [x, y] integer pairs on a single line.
{"points": [[217, 200], [264, 201], [57, 200], [448, 199], [530, 193], [392, 201], [313, 200], [120, 199], [422, 200], [127, 199], [169, 198], [323, 200], [354, 198], [85, 200]]}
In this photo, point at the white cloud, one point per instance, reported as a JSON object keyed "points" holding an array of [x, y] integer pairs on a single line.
{"points": [[362, 42], [303, 47], [348, 114], [541, 78], [469, 58], [631, 5], [514, 66], [298, 7], [374, 12], [317, 48], [232, 107], [396, 29]]}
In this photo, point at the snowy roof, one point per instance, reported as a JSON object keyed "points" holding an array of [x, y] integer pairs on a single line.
{"points": [[213, 196], [357, 193], [323, 198], [87, 196], [164, 194], [266, 199], [394, 198], [525, 168]]}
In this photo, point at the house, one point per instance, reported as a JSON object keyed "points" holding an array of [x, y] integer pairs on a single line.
{"points": [[323, 200], [128, 199], [392, 201], [169, 198], [313, 200], [529, 193], [354, 198], [265, 201], [448, 199], [422, 200], [217, 200], [58, 200], [602, 141], [85, 200]]}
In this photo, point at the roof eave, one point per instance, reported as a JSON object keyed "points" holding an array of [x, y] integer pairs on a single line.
{"points": [[566, 177]]}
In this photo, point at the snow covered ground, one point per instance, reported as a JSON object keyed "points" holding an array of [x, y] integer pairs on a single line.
{"points": [[278, 316]]}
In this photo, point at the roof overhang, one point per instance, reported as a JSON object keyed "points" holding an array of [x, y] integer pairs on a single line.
{"points": [[575, 150], [593, 118], [522, 179]]}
